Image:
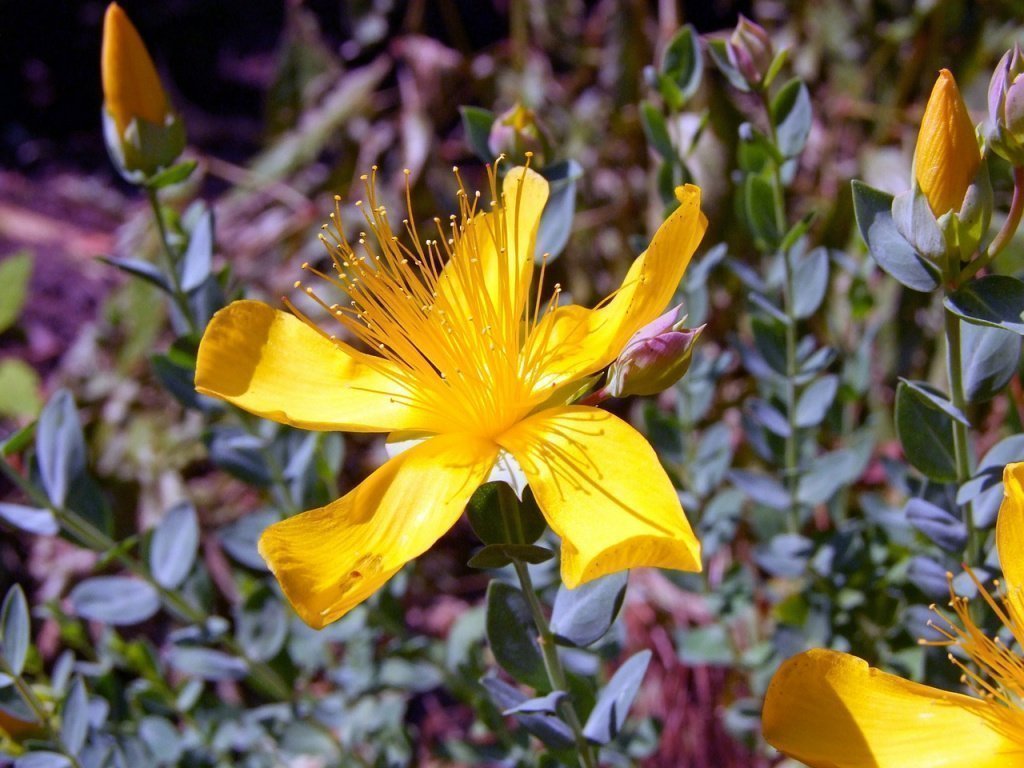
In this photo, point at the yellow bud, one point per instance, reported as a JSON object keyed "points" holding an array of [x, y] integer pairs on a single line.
{"points": [[947, 155], [131, 87]]}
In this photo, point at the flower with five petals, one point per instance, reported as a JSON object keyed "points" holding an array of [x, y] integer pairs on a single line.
{"points": [[454, 348]]}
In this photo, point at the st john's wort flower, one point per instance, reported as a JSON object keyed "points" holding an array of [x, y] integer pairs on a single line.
{"points": [[457, 352]]}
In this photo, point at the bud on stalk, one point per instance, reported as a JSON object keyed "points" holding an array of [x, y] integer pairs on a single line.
{"points": [[142, 132], [654, 358], [1006, 108], [750, 51], [516, 132]]}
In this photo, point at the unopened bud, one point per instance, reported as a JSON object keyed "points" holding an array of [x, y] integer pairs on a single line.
{"points": [[654, 358], [947, 156], [143, 134], [750, 51], [1005, 128], [516, 132]]}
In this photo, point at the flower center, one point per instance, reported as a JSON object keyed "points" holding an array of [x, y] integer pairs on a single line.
{"points": [[442, 315]]}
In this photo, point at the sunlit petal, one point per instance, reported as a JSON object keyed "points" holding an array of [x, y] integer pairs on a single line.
{"points": [[602, 489], [1010, 538], [831, 710], [272, 364], [572, 342], [328, 560]]}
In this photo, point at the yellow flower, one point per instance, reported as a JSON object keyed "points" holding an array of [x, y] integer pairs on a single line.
{"points": [[459, 354], [830, 710], [131, 87], [947, 155]]}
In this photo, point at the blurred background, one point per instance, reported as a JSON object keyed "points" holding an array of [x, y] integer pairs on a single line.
{"points": [[286, 103]]}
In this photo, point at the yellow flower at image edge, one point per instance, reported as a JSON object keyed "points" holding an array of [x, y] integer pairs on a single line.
{"points": [[463, 358], [831, 710]]}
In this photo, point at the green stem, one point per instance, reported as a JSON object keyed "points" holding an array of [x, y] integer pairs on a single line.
{"points": [[1005, 235], [791, 469], [553, 665], [180, 299], [39, 712], [508, 506], [961, 446], [520, 32], [94, 539]]}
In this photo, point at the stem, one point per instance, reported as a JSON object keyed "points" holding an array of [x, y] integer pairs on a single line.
{"points": [[791, 469], [1005, 235], [180, 299], [508, 506], [520, 32], [553, 665], [961, 447], [95, 539], [39, 711]]}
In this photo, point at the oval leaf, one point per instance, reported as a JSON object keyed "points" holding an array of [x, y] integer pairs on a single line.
{"points": [[115, 600], [172, 550], [926, 434], [14, 629], [615, 700], [583, 615], [996, 300]]}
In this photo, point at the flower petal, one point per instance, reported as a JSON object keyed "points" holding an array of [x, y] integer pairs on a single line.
{"points": [[831, 710], [497, 253], [571, 341], [329, 560], [272, 364], [1010, 538], [602, 489]]}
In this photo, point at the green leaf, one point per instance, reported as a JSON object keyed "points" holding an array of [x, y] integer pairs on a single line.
{"points": [[174, 175], [15, 272], [989, 358], [873, 209], [29, 519], [937, 399], [926, 433], [759, 206], [206, 663], [683, 63], [14, 630], [550, 730], [582, 616], [476, 125], [815, 401], [993, 300], [174, 545], [656, 131], [60, 446], [142, 269], [237, 452], [556, 220], [513, 636], [74, 717], [791, 112], [614, 702], [115, 600], [197, 261], [810, 274], [19, 389], [500, 555], [486, 518], [717, 51]]}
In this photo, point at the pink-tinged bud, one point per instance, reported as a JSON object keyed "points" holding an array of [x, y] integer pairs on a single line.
{"points": [[654, 358], [750, 50], [516, 132], [1005, 129]]}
